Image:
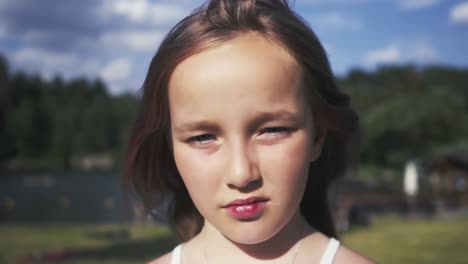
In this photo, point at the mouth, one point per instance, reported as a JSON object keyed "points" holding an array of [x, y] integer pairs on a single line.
{"points": [[250, 200], [245, 209]]}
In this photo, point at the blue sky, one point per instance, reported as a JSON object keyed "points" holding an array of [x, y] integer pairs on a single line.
{"points": [[116, 39]]}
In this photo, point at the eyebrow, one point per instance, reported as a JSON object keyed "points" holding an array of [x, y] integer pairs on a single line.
{"points": [[260, 118], [264, 117], [197, 125]]}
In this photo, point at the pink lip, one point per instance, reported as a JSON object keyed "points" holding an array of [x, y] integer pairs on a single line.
{"points": [[242, 209]]}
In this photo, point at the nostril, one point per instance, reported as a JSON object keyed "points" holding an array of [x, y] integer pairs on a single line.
{"points": [[249, 187]]}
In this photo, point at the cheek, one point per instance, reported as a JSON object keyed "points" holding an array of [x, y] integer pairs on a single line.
{"points": [[197, 171], [288, 164]]}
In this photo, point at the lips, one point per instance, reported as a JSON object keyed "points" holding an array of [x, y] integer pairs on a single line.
{"points": [[249, 208]]}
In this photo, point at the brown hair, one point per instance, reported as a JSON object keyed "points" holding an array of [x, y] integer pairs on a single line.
{"points": [[150, 165]]}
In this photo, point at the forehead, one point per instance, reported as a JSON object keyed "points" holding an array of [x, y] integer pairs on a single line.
{"points": [[248, 66], [249, 52]]}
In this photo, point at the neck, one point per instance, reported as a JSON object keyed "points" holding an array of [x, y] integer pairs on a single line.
{"points": [[276, 247]]}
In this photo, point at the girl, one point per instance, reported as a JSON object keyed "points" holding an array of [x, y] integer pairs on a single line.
{"points": [[241, 131]]}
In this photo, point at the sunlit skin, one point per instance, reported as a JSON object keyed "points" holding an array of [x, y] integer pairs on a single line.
{"points": [[240, 128]]}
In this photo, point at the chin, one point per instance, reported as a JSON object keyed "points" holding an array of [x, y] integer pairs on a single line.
{"points": [[249, 233], [247, 239]]}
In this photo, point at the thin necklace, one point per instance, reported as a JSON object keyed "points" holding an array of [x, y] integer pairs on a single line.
{"points": [[298, 248]]}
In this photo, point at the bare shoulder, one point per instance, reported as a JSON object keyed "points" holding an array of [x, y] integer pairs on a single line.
{"points": [[164, 259], [347, 255]]}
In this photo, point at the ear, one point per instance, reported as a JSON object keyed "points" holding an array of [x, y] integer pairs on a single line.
{"points": [[317, 143]]}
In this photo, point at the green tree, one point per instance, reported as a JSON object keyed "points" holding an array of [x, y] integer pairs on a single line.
{"points": [[408, 112], [7, 147]]}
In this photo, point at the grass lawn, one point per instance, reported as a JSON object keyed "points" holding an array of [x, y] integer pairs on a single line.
{"points": [[412, 240], [142, 243], [388, 240]]}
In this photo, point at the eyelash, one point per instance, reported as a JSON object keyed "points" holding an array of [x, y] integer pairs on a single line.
{"points": [[201, 139], [275, 131]]}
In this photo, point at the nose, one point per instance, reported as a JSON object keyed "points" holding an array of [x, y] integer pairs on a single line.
{"points": [[243, 169]]}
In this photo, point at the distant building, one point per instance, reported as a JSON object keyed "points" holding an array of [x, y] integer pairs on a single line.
{"points": [[437, 184], [449, 180], [410, 180]]}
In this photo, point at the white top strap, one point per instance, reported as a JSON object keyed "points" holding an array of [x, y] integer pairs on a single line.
{"points": [[176, 254], [330, 252], [327, 257]]}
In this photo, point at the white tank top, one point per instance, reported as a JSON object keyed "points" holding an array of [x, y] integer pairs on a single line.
{"points": [[327, 257]]}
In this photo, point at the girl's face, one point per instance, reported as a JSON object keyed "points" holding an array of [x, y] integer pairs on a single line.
{"points": [[242, 136]]}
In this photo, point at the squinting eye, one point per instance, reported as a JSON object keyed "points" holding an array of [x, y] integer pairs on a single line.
{"points": [[203, 139], [276, 131]]}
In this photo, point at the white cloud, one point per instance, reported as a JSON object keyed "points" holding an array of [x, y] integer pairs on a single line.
{"points": [[336, 21], [415, 51], [389, 54], [347, 2], [144, 11], [50, 63], [403, 4], [137, 41], [3, 3], [417, 4], [459, 13], [117, 70], [117, 74]]}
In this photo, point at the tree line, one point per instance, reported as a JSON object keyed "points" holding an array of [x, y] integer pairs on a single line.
{"points": [[410, 112], [44, 124], [405, 112]]}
